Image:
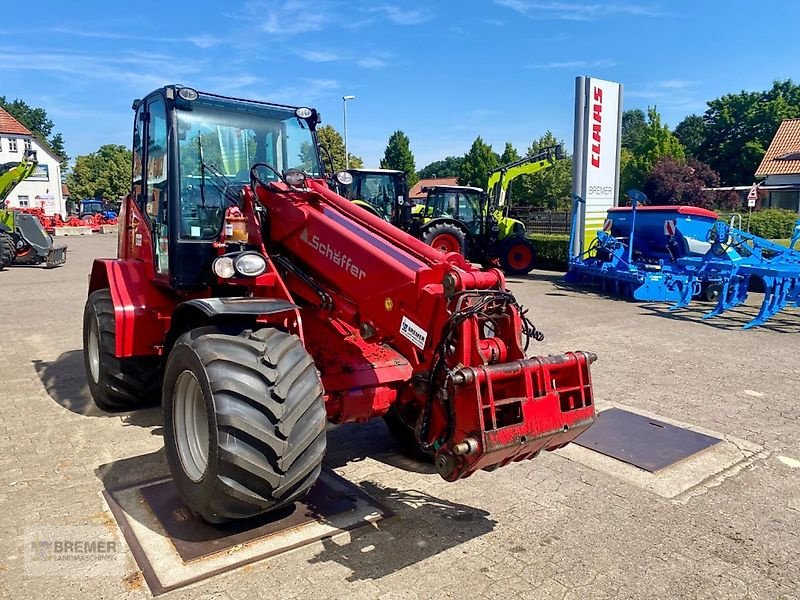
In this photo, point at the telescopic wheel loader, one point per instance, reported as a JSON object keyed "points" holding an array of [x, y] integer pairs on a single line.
{"points": [[258, 303], [23, 239]]}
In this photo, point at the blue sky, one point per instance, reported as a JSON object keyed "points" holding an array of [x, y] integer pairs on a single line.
{"points": [[443, 72]]}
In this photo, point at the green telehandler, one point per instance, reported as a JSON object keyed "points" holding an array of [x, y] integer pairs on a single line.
{"points": [[23, 240], [476, 223]]}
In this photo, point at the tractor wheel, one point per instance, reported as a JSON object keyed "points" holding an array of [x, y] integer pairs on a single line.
{"points": [[7, 250], [446, 238], [517, 256], [27, 256], [244, 421], [116, 384], [399, 426]]}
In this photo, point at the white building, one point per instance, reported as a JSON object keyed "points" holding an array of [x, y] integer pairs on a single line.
{"points": [[43, 188]]}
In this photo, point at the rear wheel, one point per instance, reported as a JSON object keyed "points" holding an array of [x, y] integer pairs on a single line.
{"points": [[7, 250], [244, 421], [517, 256], [116, 384], [446, 238]]}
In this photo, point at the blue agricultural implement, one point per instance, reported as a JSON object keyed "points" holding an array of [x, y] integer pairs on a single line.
{"points": [[680, 253]]}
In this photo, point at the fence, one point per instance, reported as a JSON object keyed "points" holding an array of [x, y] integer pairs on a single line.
{"points": [[542, 221]]}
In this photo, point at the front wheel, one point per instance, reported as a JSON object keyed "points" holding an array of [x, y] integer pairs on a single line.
{"points": [[7, 250], [517, 255], [244, 421], [446, 238]]}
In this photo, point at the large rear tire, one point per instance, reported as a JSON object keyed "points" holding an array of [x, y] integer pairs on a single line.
{"points": [[517, 255], [446, 238], [7, 250], [244, 421], [116, 384]]}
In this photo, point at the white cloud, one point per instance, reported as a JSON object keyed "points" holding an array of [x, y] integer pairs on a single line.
{"points": [[574, 11], [403, 16], [202, 40], [602, 63], [371, 62], [319, 56]]}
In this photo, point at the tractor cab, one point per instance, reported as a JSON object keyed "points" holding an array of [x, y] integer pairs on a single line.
{"points": [[192, 153], [380, 191], [460, 203]]}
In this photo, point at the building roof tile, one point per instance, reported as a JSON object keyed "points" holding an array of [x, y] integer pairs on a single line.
{"points": [[416, 189], [9, 124], [782, 156]]}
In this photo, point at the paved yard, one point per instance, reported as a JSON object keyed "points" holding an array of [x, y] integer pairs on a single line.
{"points": [[549, 528]]}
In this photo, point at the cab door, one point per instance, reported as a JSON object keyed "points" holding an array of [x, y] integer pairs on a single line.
{"points": [[156, 179]]}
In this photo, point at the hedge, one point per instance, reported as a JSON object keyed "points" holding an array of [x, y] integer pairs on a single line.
{"points": [[772, 223], [551, 250]]}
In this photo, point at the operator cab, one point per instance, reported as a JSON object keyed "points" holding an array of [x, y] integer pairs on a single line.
{"points": [[382, 191], [462, 203], [192, 154]]}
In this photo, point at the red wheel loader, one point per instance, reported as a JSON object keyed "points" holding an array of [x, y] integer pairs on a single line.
{"points": [[256, 304]]}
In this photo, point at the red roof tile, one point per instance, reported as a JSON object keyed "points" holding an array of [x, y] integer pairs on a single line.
{"points": [[781, 156], [416, 189], [9, 124]]}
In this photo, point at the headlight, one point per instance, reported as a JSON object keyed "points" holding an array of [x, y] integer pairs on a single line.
{"points": [[250, 264], [223, 267], [303, 112], [344, 177], [187, 94], [295, 178]]}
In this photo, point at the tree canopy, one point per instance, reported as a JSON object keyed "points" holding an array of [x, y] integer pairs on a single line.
{"points": [[398, 156], [37, 121], [105, 173], [333, 141], [691, 132], [656, 142], [551, 187], [450, 166], [477, 164], [632, 128], [673, 181], [739, 128]]}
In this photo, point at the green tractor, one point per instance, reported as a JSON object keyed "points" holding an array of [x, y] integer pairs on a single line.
{"points": [[383, 192], [23, 240], [476, 223]]}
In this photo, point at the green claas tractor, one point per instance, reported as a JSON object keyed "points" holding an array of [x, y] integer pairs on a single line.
{"points": [[23, 240], [383, 192], [475, 223]]}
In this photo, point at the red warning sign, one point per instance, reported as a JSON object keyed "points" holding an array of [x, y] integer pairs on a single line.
{"points": [[669, 227]]}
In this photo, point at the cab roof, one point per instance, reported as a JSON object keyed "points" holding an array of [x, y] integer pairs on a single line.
{"points": [[454, 188], [387, 171]]}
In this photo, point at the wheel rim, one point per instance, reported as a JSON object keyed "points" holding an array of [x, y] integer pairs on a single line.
{"points": [[519, 256], [446, 242], [94, 352], [190, 422]]}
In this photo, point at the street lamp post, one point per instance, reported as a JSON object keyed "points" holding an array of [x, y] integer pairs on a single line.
{"points": [[344, 108]]}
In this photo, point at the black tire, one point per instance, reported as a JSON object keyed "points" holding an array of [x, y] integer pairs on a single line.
{"points": [[260, 397], [711, 292], [27, 256], [116, 384], [517, 255], [441, 231], [400, 426], [7, 250]]}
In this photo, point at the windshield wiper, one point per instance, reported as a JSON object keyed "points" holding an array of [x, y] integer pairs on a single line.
{"points": [[219, 180]]}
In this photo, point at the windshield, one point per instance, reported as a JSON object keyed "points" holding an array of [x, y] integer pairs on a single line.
{"points": [[379, 190], [457, 204], [219, 142]]}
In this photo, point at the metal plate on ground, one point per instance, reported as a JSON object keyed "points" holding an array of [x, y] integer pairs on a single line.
{"points": [[173, 548], [646, 443]]}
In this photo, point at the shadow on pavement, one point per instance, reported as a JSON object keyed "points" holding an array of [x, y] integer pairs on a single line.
{"points": [[65, 381], [353, 442], [423, 526], [733, 319]]}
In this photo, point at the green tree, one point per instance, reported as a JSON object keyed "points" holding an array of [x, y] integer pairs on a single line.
{"points": [[333, 141], [477, 164], [551, 187], [509, 155], [632, 128], [37, 121], [450, 166], [105, 173], [740, 127], [657, 141], [398, 156], [691, 133]]}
